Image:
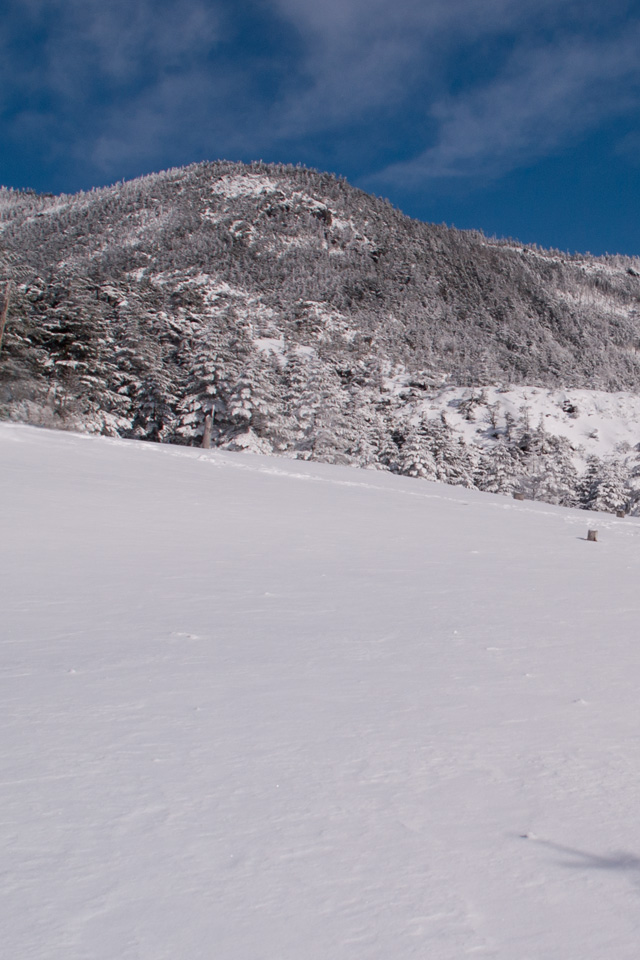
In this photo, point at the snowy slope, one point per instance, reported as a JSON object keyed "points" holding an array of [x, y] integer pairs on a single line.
{"points": [[599, 424], [256, 709]]}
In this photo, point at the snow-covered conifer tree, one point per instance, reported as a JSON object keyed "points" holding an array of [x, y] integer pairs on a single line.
{"points": [[608, 489], [499, 469], [416, 458]]}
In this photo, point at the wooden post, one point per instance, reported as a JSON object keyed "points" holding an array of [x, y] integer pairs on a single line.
{"points": [[5, 309], [206, 433], [592, 535]]}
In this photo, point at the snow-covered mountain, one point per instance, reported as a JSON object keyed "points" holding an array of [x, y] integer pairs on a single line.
{"points": [[317, 322], [254, 708]]}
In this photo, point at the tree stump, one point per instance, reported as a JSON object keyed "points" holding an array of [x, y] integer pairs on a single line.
{"points": [[518, 496], [620, 513], [592, 535]]}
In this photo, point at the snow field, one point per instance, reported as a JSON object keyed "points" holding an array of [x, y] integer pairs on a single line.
{"points": [[257, 709]]}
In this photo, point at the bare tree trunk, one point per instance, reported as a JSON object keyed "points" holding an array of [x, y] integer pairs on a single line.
{"points": [[206, 435], [5, 309]]}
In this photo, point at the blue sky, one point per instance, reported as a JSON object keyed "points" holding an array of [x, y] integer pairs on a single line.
{"points": [[518, 118]]}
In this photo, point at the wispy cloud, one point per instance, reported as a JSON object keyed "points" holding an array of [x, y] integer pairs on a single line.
{"points": [[543, 98], [73, 71], [361, 54], [96, 42], [491, 85], [114, 87]]}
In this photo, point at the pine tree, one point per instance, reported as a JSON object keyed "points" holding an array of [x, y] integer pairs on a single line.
{"points": [[416, 458], [632, 470], [457, 464], [499, 469], [608, 491]]}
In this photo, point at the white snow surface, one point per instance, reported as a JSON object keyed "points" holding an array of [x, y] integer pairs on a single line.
{"points": [[606, 425], [256, 709], [245, 185]]}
